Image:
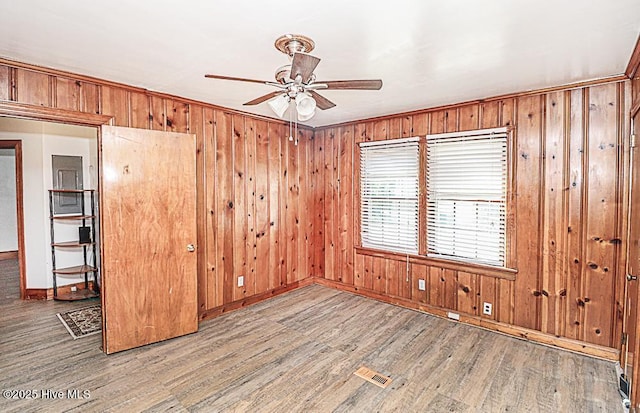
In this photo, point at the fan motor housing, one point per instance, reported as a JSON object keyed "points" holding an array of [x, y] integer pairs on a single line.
{"points": [[294, 43], [283, 73]]}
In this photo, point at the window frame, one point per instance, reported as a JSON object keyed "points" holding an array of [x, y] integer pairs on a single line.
{"points": [[390, 144], [507, 272], [508, 174]]}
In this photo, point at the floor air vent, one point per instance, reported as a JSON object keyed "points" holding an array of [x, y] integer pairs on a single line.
{"points": [[373, 377]]}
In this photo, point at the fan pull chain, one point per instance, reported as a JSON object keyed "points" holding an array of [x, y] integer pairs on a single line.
{"points": [[290, 121]]}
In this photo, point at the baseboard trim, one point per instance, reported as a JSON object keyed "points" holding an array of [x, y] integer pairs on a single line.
{"points": [[8, 255], [236, 305], [522, 333], [47, 293], [35, 294]]}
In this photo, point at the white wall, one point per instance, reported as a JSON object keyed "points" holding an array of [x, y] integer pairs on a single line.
{"points": [[8, 217], [40, 140]]}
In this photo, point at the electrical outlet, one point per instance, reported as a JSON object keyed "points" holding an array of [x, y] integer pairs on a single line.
{"points": [[453, 316], [421, 285], [241, 281], [487, 308], [74, 288]]}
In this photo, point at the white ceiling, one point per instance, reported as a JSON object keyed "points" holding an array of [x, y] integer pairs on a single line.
{"points": [[427, 52]]}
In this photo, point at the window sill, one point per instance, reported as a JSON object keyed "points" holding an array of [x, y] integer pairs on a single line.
{"points": [[481, 269]]}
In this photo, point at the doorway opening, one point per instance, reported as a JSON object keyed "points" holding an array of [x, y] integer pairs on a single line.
{"points": [[29, 147], [12, 281]]}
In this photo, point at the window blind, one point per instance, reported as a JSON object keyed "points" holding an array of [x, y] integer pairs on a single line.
{"points": [[466, 195], [389, 172]]}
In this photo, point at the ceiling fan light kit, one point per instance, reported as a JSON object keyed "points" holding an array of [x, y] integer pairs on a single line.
{"points": [[279, 104], [306, 106], [297, 81]]}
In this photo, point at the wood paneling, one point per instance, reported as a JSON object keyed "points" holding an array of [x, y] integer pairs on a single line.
{"points": [[32, 87], [275, 140], [240, 221], [565, 218], [468, 117], [635, 93], [89, 98], [221, 197], [292, 222], [250, 213], [528, 188], [261, 207], [574, 318], [115, 102], [488, 294], [305, 216], [5, 83], [157, 115], [198, 127], [317, 208], [420, 124], [467, 293], [330, 204], [255, 187], [67, 94], [140, 111], [554, 220], [177, 116], [602, 205], [346, 204]]}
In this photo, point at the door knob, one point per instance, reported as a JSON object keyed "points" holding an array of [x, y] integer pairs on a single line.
{"points": [[191, 248], [631, 277]]}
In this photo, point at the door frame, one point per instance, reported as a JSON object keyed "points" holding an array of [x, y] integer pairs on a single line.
{"points": [[40, 113], [17, 146], [635, 376]]}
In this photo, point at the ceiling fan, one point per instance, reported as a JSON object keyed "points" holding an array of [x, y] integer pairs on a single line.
{"points": [[297, 82]]}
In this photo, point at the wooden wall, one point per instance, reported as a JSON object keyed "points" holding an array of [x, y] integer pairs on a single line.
{"points": [[568, 231], [253, 183]]}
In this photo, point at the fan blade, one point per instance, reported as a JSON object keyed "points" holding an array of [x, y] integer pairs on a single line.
{"points": [[263, 98], [322, 102], [240, 79], [374, 84], [303, 64]]}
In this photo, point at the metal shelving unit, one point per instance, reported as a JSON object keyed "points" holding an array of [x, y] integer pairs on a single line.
{"points": [[88, 265]]}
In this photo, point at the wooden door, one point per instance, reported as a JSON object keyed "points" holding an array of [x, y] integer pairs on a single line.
{"points": [[148, 224], [630, 350]]}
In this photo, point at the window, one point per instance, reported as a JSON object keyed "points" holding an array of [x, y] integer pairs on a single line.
{"points": [[466, 196], [389, 173]]}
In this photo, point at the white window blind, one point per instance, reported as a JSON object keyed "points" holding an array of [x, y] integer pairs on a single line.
{"points": [[389, 172], [466, 195]]}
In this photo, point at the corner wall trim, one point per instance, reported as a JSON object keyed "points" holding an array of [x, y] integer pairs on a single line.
{"points": [[236, 305], [634, 61]]}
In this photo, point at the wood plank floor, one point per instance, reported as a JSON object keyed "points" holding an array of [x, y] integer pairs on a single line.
{"points": [[9, 281], [297, 353]]}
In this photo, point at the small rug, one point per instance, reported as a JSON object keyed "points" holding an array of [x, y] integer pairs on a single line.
{"points": [[82, 322]]}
